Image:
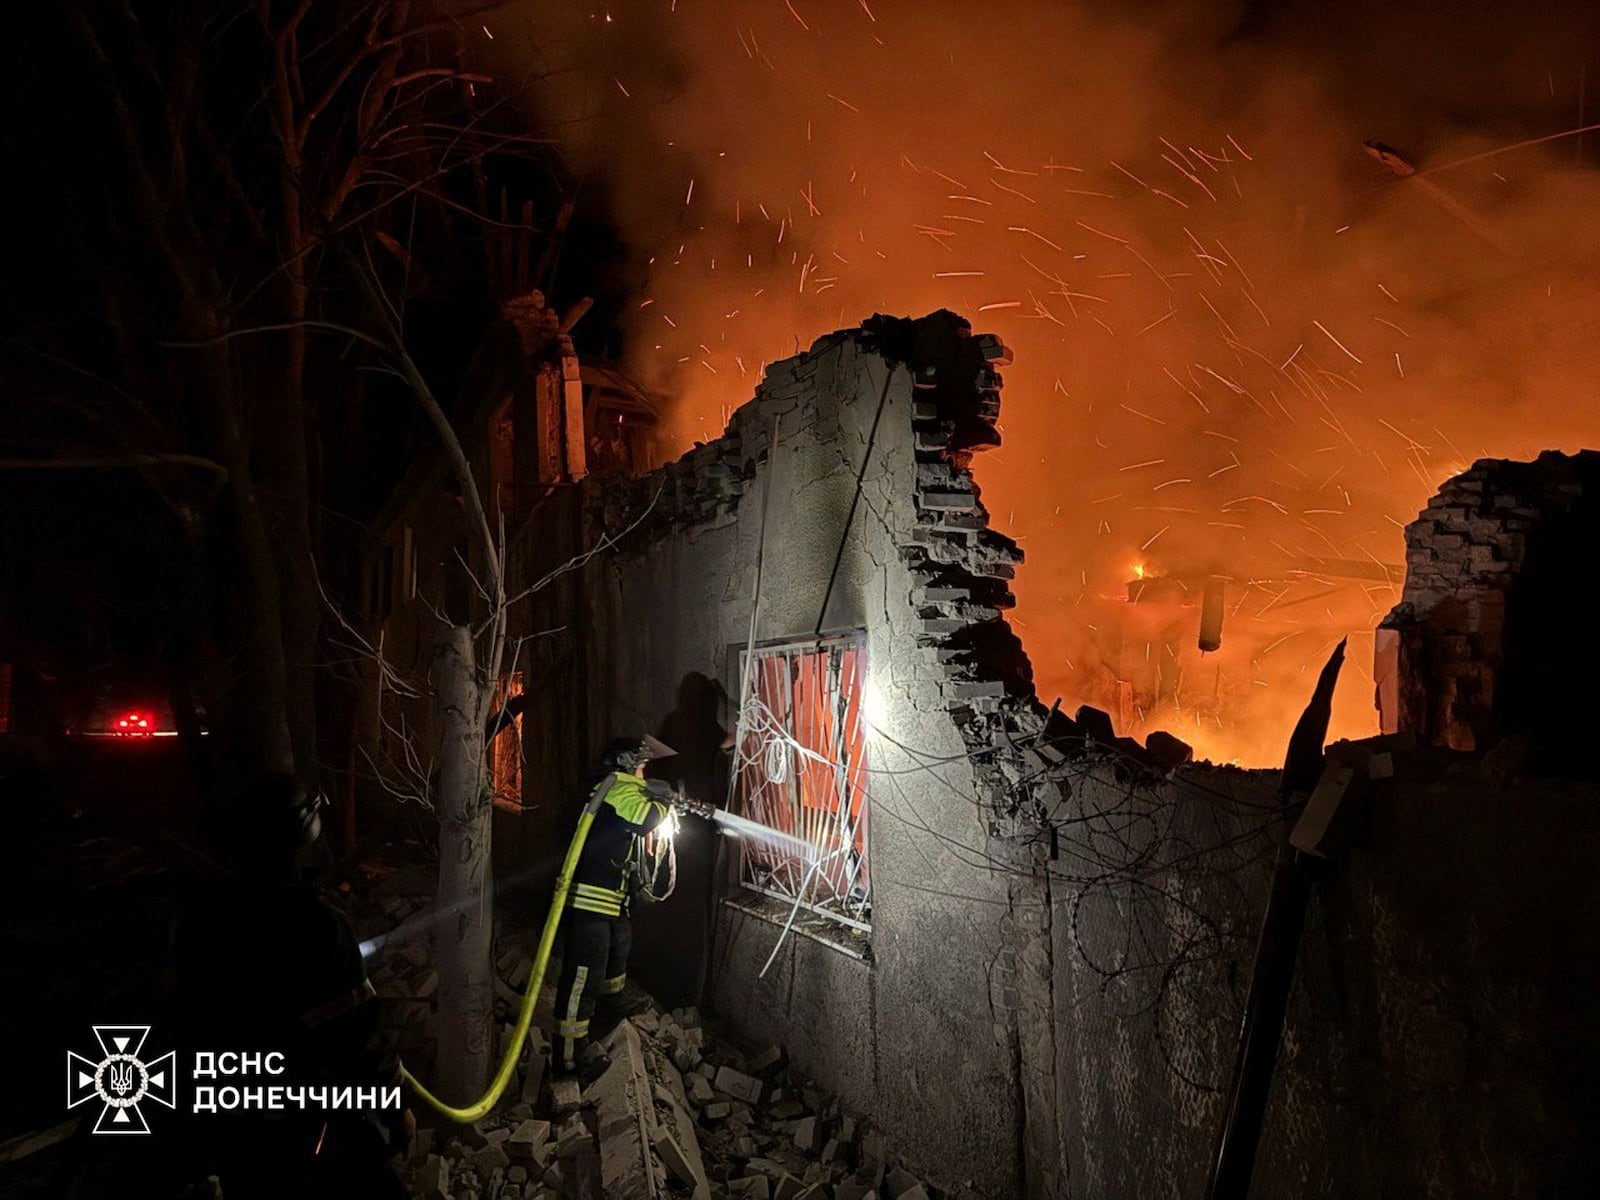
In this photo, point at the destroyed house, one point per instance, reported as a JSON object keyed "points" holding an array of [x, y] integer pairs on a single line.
{"points": [[1012, 940]]}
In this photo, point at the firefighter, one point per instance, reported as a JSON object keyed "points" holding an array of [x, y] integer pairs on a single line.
{"points": [[598, 935]]}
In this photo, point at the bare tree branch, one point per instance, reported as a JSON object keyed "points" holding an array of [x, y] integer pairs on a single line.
{"points": [[279, 327], [443, 429], [606, 542]]}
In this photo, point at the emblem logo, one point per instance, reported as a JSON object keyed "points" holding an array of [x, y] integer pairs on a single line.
{"points": [[121, 1080]]}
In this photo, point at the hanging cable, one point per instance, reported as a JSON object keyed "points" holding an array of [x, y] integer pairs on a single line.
{"points": [[663, 854], [855, 500], [794, 908]]}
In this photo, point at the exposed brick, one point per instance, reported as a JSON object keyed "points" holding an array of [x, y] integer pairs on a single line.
{"points": [[1465, 555], [948, 501]]}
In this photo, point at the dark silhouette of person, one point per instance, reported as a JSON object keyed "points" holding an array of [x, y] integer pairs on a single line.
{"points": [[674, 940], [264, 965], [694, 729]]}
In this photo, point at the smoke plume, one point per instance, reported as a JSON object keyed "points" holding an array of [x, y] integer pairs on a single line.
{"points": [[1247, 345]]}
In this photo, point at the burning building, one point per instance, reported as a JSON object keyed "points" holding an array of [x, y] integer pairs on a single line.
{"points": [[976, 703], [1012, 937], [1249, 346]]}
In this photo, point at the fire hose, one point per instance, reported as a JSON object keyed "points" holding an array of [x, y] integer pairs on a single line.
{"points": [[541, 960]]}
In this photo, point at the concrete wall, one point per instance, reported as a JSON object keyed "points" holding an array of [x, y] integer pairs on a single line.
{"points": [[1444, 1033], [1063, 919], [1440, 1036], [906, 1025], [1150, 926]]}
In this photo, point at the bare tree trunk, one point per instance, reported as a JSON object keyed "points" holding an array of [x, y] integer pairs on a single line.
{"points": [[248, 683], [463, 940], [280, 437]]}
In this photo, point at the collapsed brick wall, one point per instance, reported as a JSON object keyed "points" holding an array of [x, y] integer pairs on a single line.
{"points": [[1487, 640], [999, 1031], [1121, 1075], [1429, 952], [953, 664], [1088, 1082], [899, 406]]}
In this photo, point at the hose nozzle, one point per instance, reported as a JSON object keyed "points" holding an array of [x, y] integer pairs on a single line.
{"points": [[697, 808]]}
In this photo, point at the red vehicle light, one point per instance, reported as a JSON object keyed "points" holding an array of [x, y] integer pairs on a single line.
{"points": [[134, 724]]}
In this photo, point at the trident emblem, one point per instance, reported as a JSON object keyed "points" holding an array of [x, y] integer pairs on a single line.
{"points": [[121, 1079]]}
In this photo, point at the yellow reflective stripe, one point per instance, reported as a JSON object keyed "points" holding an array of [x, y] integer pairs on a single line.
{"points": [[610, 987], [571, 1020], [631, 800], [589, 898]]}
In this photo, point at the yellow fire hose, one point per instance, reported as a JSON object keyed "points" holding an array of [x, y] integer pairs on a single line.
{"points": [[530, 996]]}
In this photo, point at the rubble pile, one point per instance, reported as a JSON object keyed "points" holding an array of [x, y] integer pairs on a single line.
{"points": [[680, 1113], [677, 1114]]}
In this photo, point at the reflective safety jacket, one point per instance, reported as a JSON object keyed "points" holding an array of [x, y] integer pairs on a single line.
{"points": [[628, 811]]}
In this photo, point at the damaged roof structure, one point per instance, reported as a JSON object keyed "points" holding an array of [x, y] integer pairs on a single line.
{"points": [[1019, 943]]}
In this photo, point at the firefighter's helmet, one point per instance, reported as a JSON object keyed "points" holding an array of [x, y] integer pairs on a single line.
{"points": [[626, 753]]}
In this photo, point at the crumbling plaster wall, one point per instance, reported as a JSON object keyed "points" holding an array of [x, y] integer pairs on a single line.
{"points": [[918, 1036], [1063, 918], [1440, 1036], [975, 1035]]}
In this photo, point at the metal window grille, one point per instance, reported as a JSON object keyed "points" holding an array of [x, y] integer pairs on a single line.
{"points": [[801, 769]]}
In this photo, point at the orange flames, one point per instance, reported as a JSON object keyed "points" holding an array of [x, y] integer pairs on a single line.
{"points": [[1244, 349]]}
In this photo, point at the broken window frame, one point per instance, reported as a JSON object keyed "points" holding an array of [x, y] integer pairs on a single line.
{"points": [[802, 739], [505, 749]]}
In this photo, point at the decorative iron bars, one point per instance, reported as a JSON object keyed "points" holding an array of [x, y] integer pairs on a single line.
{"points": [[800, 764]]}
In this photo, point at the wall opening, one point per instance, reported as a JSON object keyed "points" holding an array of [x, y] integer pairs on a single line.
{"points": [[505, 748]]}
